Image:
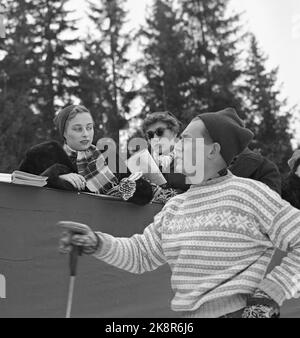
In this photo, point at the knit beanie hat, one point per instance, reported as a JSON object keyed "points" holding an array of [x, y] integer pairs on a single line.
{"points": [[226, 128], [294, 159], [63, 115]]}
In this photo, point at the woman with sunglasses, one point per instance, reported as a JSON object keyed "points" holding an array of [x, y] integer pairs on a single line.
{"points": [[161, 130]]}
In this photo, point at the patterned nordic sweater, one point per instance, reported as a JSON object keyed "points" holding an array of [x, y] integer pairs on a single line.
{"points": [[218, 238]]}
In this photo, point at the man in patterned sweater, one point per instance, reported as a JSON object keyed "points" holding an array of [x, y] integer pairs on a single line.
{"points": [[218, 237]]}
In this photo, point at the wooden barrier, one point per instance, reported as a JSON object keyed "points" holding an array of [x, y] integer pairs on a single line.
{"points": [[37, 276]]}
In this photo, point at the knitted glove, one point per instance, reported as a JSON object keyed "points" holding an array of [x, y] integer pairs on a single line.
{"points": [[79, 235], [126, 188], [163, 195], [260, 305]]}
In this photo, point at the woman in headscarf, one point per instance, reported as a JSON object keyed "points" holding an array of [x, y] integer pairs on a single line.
{"points": [[77, 164]]}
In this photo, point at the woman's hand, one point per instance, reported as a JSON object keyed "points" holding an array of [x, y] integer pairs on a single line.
{"points": [[78, 235], [76, 180]]}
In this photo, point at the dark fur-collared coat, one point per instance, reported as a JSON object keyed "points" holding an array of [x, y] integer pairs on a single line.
{"points": [[49, 159], [252, 165]]}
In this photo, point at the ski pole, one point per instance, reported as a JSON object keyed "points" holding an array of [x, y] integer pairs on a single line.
{"points": [[73, 263]]}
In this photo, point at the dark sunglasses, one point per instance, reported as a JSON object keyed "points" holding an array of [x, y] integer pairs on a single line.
{"points": [[158, 132]]}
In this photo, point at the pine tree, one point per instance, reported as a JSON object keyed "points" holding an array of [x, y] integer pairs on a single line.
{"points": [[17, 120], [93, 88], [165, 63], [104, 75], [56, 77], [214, 37], [37, 73], [267, 115]]}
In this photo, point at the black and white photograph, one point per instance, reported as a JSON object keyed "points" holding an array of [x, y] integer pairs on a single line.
{"points": [[150, 162]]}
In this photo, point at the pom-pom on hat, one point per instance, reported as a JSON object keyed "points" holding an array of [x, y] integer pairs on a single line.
{"points": [[226, 128]]}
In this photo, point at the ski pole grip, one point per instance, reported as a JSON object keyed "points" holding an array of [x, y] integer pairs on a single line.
{"points": [[76, 251]]}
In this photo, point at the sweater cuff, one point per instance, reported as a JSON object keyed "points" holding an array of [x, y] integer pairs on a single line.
{"points": [[104, 247], [273, 290]]}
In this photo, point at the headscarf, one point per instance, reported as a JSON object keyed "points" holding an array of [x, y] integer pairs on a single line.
{"points": [[62, 117]]}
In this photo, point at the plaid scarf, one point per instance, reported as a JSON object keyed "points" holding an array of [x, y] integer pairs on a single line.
{"points": [[92, 166]]}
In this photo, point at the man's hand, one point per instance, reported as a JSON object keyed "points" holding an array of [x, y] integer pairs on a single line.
{"points": [[261, 305], [77, 234]]}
